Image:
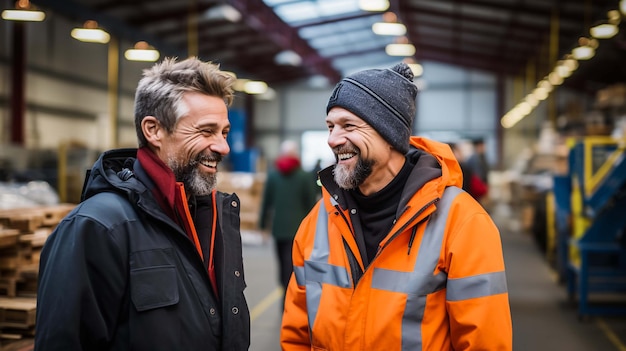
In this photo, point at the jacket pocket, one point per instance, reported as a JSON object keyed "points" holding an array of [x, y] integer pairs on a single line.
{"points": [[153, 287]]}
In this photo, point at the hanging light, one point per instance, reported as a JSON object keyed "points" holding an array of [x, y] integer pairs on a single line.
{"points": [[586, 49], [603, 31], [255, 87], [562, 69], [389, 25], [288, 58], [90, 33], [142, 52], [374, 5], [222, 12], [608, 28], [23, 11], [415, 67], [400, 49], [384, 28]]}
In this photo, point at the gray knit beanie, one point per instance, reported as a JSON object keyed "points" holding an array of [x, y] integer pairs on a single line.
{"points": [[384, 98]]}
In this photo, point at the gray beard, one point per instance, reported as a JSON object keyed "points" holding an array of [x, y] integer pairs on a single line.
{"points": [[196, 183], [199, 183], [351, 179]]}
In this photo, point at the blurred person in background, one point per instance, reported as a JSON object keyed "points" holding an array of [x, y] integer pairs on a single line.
{"points": [[151, 259], [478, 160], [288, 195], [471, 182], [395, 255]]}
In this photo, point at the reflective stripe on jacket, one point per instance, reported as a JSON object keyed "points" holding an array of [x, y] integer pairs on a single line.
{"points": [[437, 282]]}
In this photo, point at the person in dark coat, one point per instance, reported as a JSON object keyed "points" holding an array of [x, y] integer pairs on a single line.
{"points": [[288, 195], [471, 181], [477, 161], [151, 258]]}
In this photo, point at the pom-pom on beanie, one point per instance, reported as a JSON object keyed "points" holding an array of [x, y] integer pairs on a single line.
{"points": [[384, 98]]}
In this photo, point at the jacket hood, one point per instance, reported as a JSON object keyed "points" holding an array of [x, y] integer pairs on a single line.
{"points": [[287, 164], [450, 168], [110, 173]]}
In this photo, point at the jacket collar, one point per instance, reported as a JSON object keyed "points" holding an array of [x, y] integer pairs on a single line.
{"points": [[163, 178]]}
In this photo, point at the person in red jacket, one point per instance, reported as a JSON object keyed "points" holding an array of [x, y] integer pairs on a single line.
{"points": [[395, 256]]}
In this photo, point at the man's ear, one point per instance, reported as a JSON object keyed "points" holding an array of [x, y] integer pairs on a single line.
{"points": [[152, 130]]}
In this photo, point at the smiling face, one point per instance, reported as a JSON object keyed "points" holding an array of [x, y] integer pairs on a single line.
{"points": [[197, 144], [364, 159]]}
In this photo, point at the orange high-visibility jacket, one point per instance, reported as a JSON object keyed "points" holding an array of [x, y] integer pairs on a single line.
{"points": [[437, 282]]}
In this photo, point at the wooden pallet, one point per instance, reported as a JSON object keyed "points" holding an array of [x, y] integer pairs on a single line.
{"points": [[8, 237], [17, 312]]}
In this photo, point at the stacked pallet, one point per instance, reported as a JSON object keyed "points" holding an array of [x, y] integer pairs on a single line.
{"points": [[23, 232], [249, 189], [17, 318]]}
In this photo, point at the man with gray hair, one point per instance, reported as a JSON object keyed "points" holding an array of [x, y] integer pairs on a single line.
{"points": [[151, 259]]}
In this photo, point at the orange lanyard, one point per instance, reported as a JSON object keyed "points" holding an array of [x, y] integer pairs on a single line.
{"points": [[191, 230]]}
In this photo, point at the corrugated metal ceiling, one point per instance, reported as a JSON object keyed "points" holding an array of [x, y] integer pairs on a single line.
{"points": [[334, 37]]}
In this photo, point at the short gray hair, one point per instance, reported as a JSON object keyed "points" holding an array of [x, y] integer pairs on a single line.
{"points": [[160, 91]]}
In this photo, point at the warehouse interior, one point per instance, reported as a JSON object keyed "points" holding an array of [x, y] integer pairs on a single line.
{"points": [[542, 82]]}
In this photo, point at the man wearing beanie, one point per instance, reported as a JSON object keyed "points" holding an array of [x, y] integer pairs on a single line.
{"points": [[395, 256]]}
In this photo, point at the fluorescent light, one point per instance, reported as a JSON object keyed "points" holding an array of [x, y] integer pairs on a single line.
{"points": [[288, 58], [385, 28], [374, 5], [142, 52], [532, 100], [91, 35], [583, 52], [255, 87], [555, 79], [23, 15], [223, 12], [541, 93], [400, 49], [148, 55], [603, 31], [416, 68]]}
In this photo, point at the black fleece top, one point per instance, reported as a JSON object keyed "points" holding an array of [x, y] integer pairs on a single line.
{"points": [[376, 212]]}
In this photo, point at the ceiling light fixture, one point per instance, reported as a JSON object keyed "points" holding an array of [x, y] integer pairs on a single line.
{"points": [[24, 12], [384, 28], [586, 49], [400, 49], [374, 5], [223, 12], [603, 30], [622, 7], [142, 52], [608, 28], [415, 67], [288, 58], [90, 33], [255, 87]]}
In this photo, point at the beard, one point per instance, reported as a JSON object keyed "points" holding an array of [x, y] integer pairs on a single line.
{"points": [[198, 183], [350, 178]]}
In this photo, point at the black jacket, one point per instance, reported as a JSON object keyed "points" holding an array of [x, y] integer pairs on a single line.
{"points": [[118, 274]]}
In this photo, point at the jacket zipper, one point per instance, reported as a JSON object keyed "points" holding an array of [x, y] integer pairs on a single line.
{"points": [[432, 202]]}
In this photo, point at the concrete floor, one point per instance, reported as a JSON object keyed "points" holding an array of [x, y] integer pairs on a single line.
{"points": [[543, 319]]}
